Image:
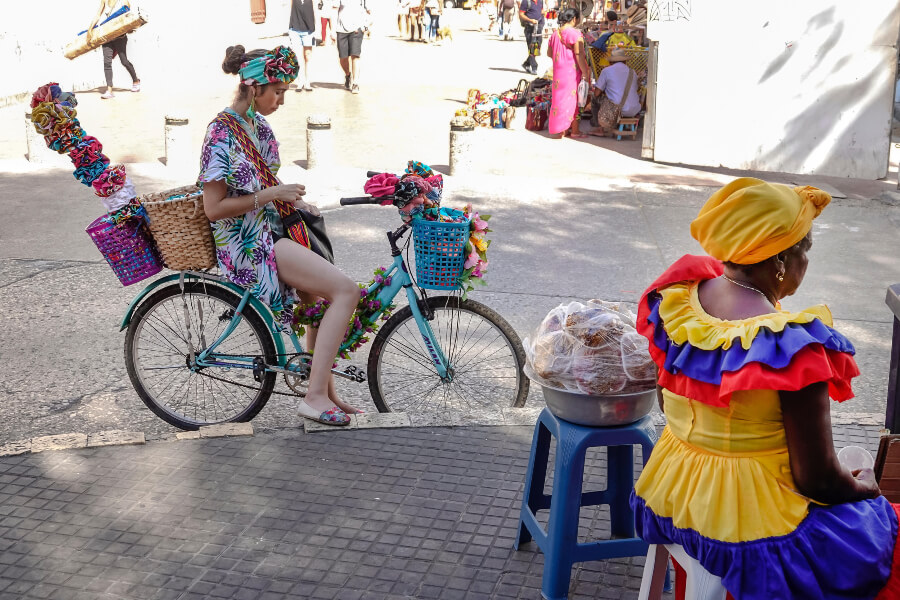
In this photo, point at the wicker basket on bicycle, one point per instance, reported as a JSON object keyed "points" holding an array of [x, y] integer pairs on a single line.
{"points": [[180, 228]]}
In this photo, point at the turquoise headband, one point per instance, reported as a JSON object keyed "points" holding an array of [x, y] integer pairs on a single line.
{"points": [[276, 65]]}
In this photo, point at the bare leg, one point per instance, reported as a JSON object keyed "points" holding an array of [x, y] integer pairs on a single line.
{"points": [[354, 70], [307, 53], [303, 269], [345, 65], [311, 334]]}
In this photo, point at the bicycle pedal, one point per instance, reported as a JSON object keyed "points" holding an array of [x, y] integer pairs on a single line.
{"points": [[352, 373]]}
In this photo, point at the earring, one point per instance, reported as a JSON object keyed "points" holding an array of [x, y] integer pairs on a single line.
{"points": [[780, 276], [252, 112]]}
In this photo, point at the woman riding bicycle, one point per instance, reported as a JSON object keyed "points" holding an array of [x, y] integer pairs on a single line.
{"points": [[252, 248]]}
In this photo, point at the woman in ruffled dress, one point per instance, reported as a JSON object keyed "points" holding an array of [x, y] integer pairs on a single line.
{"points": [[745, 476], [252, 247]]}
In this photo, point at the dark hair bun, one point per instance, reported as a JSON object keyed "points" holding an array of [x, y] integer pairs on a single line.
{"points": [[570, 14], [234, 58]]}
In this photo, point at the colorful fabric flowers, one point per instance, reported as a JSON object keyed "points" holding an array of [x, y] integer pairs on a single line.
{"points": [[476, 262], [417, 194], [54, 117], [276, 65], [109, 181]]}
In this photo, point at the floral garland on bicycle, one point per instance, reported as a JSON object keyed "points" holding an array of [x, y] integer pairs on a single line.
{"points": [[365, 319], [419, 191]]}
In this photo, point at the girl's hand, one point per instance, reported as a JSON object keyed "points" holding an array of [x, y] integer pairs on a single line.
{"points": [[288, 192], [310, 208]]}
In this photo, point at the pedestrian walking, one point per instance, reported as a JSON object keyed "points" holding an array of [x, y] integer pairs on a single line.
{"points": [[403, 24], [566, 48], [507, 9], [415, 20], [433, 17], [352, 18], [531, 15], [301, 30], [326, 16], [252, 246], [113, 48]]}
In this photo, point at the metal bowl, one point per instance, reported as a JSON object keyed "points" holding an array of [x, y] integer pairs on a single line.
{"points": [[596, 411]]}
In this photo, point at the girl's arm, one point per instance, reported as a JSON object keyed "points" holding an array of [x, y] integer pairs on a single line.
{"points": [[217, 205]]}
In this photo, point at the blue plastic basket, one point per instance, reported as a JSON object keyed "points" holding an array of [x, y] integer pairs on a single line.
{"points": [[440, 253]]}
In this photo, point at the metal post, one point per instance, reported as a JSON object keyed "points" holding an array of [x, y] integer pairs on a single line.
{"points": [[892, 414], [319, 142]]}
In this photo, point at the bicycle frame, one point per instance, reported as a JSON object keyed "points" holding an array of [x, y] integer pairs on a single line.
{"points": [[399, 277]]}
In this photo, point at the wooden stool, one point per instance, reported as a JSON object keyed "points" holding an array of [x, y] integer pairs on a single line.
{"points": [[628, 126]]}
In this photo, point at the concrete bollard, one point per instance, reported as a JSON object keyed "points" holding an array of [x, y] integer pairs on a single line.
{"points": [[35, 146], [462, 133], [178, 142], [319, 142]]}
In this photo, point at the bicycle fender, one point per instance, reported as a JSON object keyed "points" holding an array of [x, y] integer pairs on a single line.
{"points": [[261, 308]]}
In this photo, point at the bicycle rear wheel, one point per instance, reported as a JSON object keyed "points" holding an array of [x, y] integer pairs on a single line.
{"points": [[158, 359], [484, 351]]}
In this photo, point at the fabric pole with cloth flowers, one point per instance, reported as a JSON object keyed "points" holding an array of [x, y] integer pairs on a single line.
{"points": [[54, 116]]}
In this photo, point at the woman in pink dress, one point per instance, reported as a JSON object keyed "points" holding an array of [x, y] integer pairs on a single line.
{"points": [[566, 48]]}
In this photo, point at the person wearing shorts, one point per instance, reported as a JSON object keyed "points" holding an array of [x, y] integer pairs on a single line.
{"points": [[300, 32], [350, 25]]}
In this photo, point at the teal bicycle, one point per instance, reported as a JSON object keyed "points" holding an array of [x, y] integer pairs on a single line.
{"points": [[201, 350]]}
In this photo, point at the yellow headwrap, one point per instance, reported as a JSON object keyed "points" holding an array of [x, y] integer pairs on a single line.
{"points": [[749, 220]]}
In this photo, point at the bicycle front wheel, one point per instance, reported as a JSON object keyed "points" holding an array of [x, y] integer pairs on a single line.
{"points": [[484, 351], [158, 359]]}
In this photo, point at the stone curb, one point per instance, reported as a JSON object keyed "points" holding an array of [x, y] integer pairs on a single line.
{"points": [[214, 431], [114, 437], [68, 441]]}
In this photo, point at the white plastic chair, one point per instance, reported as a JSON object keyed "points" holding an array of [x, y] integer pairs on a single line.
{"points": [[701, 584]]}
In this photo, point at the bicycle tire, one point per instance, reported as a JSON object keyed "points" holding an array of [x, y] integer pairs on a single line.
{"points": [[157, 333], [408, 365]]}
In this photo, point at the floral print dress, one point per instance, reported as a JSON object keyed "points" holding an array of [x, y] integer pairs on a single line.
{"points": [[245, 244]]}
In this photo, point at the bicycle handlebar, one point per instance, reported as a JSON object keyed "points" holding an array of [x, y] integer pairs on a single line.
{"points": [[360, 200]]}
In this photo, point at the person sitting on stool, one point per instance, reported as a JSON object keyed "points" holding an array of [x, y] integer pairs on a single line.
{"points": [[618, 81]]}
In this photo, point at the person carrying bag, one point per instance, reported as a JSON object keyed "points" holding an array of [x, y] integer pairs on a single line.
{"points": [[263, 244], [606, 110]]}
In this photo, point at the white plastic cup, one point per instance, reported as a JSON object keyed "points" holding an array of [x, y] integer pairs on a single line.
{"points": [[854, 458]]}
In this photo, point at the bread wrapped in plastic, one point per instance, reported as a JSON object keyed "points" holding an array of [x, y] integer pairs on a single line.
{"points": [[591, 348]]}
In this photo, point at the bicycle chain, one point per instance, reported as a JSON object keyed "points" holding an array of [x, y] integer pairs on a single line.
{"points": [[249, 387]]}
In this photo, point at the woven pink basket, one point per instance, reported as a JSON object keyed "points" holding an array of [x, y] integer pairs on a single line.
{"points": [[127, 247]]}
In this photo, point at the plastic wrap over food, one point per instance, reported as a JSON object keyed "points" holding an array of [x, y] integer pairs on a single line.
{"points": [[591, 348]]}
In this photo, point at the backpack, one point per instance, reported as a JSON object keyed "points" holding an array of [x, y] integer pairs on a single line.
{"points": [[525, 6]]}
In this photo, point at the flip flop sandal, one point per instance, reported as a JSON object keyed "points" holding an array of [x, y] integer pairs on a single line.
{"points": [[332, 416]]}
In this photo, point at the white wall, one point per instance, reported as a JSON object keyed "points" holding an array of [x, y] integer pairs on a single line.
{"points": [[804, 86]]}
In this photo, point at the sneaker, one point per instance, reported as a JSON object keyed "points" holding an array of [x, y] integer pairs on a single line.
{"points": [[346, 82], [526, 66], [107, 95], [307, 87], [354, 89], [136, 86]]}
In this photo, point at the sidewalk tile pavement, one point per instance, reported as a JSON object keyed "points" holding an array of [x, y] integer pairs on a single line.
{"points": [[373, 514]]}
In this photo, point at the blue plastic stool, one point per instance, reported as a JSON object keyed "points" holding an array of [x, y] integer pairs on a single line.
{"points": [[560, 542]]}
